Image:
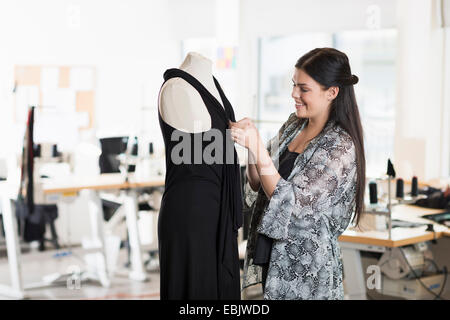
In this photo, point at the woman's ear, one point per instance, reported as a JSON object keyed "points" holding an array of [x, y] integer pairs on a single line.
{"points": [[332, 93]]}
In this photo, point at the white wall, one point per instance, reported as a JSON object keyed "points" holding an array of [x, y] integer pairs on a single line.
{"points": [[445, 123], [422, 136]]}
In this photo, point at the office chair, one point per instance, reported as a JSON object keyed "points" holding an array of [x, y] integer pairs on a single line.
{"points": [[111, 148]]}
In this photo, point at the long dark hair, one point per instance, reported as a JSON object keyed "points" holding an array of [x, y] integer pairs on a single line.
{"points": [[330, 68]]}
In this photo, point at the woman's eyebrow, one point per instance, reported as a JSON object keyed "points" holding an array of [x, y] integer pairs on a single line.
{"points": [[303, 84], [299, 84]]}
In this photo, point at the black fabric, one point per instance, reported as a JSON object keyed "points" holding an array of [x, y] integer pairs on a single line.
{"points": [[286, 161], [201, 212], [436, 199], [263, 245], [34, 223], [33, 226], [26, 192]]}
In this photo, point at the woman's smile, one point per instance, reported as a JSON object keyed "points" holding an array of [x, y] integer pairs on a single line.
{"points": [[299, 105]]}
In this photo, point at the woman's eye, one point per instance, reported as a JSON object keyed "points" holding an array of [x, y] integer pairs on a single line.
{"points": [[303, 90]]}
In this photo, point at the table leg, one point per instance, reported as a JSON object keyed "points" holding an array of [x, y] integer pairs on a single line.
{"points": [[131, 210], [355, 283], [13, 250], [96, 217]]}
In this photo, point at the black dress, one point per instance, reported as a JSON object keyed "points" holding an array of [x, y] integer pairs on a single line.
{"points": [[201, 208]]}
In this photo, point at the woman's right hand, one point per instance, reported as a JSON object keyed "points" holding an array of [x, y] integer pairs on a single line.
{"points": [[245, 133]]}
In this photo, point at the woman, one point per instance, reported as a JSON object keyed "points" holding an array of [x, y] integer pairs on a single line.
{"points": [[306, 202]]}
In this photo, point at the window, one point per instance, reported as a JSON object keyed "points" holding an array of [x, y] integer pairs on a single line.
{"points": [[372, 58]]}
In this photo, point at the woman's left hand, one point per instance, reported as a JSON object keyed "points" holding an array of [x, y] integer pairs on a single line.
{"points": [[245, 134]]}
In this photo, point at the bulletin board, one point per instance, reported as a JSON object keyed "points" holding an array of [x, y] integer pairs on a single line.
{"points": [[64, 97]]}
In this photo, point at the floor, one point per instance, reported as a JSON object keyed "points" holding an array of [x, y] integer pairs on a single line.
{"points": [[37, 265]]}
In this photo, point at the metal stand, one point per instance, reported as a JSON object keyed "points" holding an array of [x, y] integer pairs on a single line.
{"points": [[131, 210], [389, 207], [16, 289], [387, 211]]}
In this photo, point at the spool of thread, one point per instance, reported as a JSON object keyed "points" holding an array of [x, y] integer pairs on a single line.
{"points": [[55, 152], [373, 193], [150, 148], [399, 193], [414, 187]]}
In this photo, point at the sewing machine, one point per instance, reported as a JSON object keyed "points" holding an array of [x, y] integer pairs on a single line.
{"points": [[406, 274]]}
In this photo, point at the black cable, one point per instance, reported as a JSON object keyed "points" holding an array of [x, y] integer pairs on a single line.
{"points": [[436, 296], [444, 270], [433, 263]]}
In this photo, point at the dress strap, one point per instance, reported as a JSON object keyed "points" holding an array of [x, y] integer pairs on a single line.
{"points": [[223, 112], [227, 104]]}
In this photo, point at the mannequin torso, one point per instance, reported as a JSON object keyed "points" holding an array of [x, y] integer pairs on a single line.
{"points": [[180, 104]]}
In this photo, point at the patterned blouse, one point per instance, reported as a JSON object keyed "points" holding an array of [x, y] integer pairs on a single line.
{"points": [[305, 216]]}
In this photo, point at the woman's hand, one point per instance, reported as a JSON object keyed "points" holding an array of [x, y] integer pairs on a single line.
{"points": [[245, 134]]}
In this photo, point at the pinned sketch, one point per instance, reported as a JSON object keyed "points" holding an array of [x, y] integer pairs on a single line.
{"points": [[64, 77], [85, 104], [64, 97], [27, 75]]}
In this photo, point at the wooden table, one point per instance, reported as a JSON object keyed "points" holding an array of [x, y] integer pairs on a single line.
{"points": [[68, 186], [400, 236], [107, 181]]}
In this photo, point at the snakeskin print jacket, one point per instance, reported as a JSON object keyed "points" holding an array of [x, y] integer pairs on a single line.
{"points": [[305, 216]]}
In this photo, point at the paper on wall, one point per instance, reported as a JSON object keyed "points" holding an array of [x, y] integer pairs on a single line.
{"points": [[81, 78], [56, 127], [82, 119], [49, 78], [62, 100], [25, 96]]}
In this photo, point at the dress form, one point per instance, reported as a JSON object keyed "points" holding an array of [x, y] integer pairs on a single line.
{"points": [[180, 105]]}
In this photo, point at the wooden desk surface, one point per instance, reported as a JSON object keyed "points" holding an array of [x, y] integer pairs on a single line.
{"points": [[106, 181], [400, 236]]}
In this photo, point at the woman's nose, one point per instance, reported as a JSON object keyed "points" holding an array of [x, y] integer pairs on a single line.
{"points": [[295, 93]]}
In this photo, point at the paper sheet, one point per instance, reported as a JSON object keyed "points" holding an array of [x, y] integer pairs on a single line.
{"points": [[25, 96], [49, 78], [81, 78], [56, 127], [59, 99]]}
